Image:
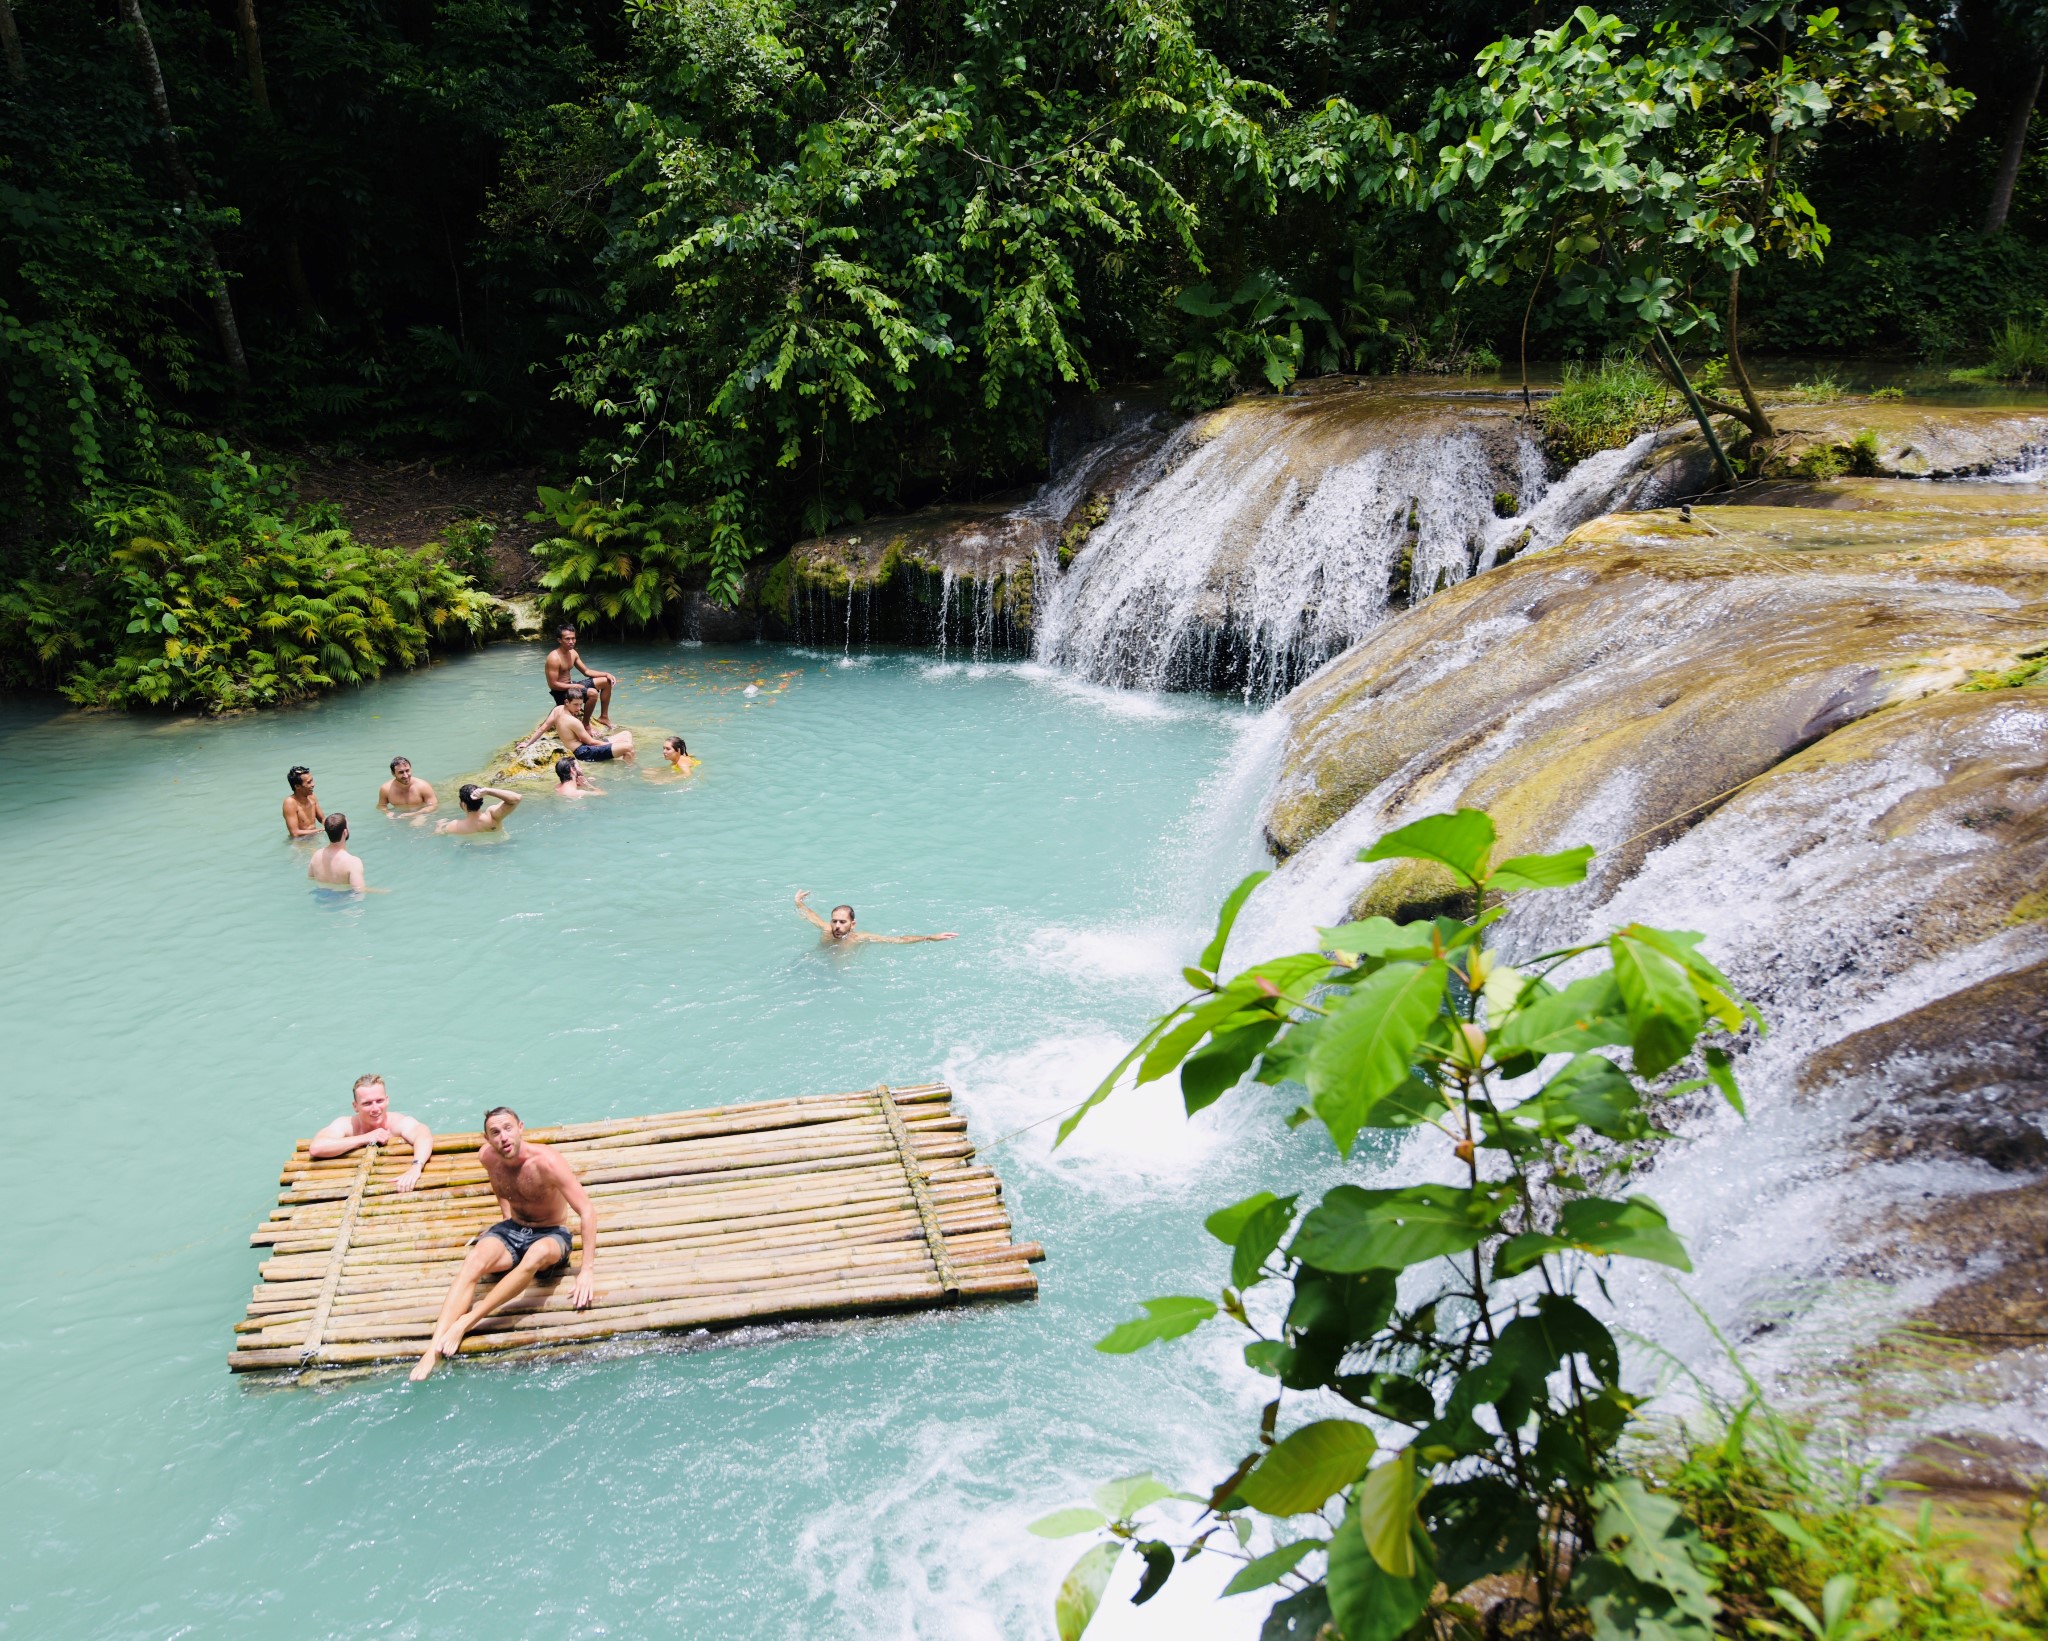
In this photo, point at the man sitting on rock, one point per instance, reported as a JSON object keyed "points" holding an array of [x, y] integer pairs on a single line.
{"points": [[536, 1192], [373, 1122], [561, 663], [568, 728]]}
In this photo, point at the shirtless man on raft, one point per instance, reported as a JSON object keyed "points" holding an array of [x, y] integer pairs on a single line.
{"points": [[332, 866], [373, 1122], [841, 932], [576, 738], [475, 817], [302, 814], [561, 663], [536, 1192], [405, 795]]}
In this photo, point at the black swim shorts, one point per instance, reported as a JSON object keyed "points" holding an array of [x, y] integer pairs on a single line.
{"points": [[563, 694], [595, 752], [518, 1238]]}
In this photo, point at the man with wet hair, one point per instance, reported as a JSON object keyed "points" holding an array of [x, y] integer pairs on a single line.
{"points": [[373, 1122], [406, 795], [332, 866], [841, 932], [577, 739], [571, 782], [302, 814], [536, 1192], [561, 663], [475, 817]]}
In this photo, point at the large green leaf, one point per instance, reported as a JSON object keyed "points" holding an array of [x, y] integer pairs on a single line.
{"points": [[1645, 1537], [1587, 1014], [1635, 1229], [1256, 1242], [1480, 1527], [1212, 954], [1075, 1518], [1346, 1111], [1301, 1616], [1306, 1467], [1273, 1566], [1354, 1229], [1213, 1070], [1226, 1225], [1665, 1013], [1368, 1602], [1081, 1592], [1386, 1513], [1378, 937], [1166, 1318], [1462, 842], [1557, 871], [1367, 1045], [1127, 1495]]}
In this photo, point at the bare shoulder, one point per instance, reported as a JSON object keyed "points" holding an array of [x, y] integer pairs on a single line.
{"points": [[337, 1129], [408, 1126]]}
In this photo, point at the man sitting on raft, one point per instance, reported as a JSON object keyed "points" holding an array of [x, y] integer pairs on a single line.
{"points": [[577, 740], [560, 663], [475, 817], [332, 866], [841, 932], [373, 1122], [536, 1191], [405, 795]]}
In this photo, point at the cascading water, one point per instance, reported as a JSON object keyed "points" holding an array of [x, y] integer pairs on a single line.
{"points": [[1275, 533]]}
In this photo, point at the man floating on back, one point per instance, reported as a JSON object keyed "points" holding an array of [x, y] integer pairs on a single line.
{"points": [[536, 1192]]}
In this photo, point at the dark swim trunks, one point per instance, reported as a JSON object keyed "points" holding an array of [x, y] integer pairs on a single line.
{"points": [[563, 694], [595, 752], [518, 1238]]}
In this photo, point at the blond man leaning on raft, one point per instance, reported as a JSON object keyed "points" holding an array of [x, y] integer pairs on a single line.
{"points": [[373, 1122], [536, 1191]]}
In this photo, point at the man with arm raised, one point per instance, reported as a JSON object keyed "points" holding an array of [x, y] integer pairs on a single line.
{"points": [[373, 1122], [536, 1192]]}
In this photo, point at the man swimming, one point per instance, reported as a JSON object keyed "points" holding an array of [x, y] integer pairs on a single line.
{"points": [[841, 932], [572, 782], [536, 1191], [332, 866], [577, 739], [561, 663], [475, 817], [373, 1122], [302, 815], [405, 795]]}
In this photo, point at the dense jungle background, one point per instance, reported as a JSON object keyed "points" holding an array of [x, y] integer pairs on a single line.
{"points": [[725, 273]]}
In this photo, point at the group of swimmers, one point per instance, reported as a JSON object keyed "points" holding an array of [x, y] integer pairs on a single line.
{"points": [[536, 1190], [484, 808]]}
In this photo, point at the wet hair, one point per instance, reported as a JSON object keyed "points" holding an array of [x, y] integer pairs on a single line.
{"points": [[336, 824], [293, 775], [565, 769], [676, 741], [400, 759], [566, 626], [471, 795], [364, 1082], [501, 1111], [848, 910]]}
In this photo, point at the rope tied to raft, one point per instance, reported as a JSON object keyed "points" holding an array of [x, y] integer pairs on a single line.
{"points": [[330, 1285], [920, 1191]]}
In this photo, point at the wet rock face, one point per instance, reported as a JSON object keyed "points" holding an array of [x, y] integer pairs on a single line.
{"points": [[1608, 694]]}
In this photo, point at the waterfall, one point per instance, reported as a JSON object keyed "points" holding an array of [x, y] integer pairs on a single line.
{"points": [[1273, 534]]}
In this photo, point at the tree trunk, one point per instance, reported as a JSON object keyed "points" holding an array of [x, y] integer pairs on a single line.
{"points": [[2015, 150], [188, 186], [252, 56], [10, 45], [1667, 361], [1757, 421]]}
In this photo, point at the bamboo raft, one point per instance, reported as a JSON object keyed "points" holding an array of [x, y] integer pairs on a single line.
{"points": [[828, 1205]]}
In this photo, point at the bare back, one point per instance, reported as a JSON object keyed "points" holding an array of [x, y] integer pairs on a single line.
{"points": [[531, 1188]]}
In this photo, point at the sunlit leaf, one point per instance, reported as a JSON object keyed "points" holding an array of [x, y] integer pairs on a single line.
{"points": [[1307, 1466]]}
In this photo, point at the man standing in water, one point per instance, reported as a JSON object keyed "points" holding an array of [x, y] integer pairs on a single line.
{"points": [[841, 932], [561, 663], [302, 815], [475, 817], [373, 1122], [332, 866], [577, 739], [571, 782], [403, 795], [536, 1192]]}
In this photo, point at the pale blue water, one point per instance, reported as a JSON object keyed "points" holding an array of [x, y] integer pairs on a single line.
{"points": [[180, 1004]]}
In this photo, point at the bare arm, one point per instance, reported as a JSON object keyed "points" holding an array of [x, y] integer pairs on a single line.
{"points": [[294, 829], [422, 1138], [355, 874], [538, 731], [384, 797], [507, 801], [906, 939], [336, 1141], [586, 1222], [805, 911], [432, 802]]}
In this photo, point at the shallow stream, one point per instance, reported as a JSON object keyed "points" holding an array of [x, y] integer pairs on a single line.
{"points": [[181, 1004]]}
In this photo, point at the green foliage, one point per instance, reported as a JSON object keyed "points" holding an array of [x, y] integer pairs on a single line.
{"points": [[615, 566], [1446, 1310], [1260, 335], [2019, 352], [1603, 409], [221, 591], [466, 548]]}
